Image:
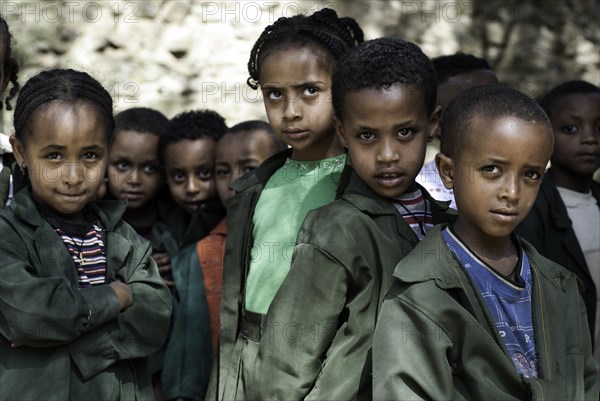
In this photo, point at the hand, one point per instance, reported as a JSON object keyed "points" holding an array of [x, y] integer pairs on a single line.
{"points": [[163, 261], [123, 293]]}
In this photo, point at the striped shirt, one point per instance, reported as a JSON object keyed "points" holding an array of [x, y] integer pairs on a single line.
{"points": [[89, 255], [416, 212]]}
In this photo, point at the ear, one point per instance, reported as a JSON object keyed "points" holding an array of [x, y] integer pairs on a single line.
{"points": [[435, 123], [339, 129], [18, 150], [446, 169]]}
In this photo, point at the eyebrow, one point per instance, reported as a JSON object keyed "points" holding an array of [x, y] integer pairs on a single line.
{"points": [[276, 85], [62, 147], [404, 124]]}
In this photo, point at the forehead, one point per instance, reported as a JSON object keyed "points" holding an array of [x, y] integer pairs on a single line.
{"points": [[243, 144], [134, 143], [507, 137], [288, 66], [67, 125], [576, 103], [190, 153], [398, 101]]}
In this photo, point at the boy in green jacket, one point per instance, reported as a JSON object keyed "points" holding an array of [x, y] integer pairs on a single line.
{"points": [[475, 312], [317, 335]]}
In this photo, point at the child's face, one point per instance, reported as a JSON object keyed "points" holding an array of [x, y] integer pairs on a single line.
{"points": [[134, 173], [65, 153], [576, 125], [496, 176], [238, 154], [189, 165], [297, 96], [386, 133]]}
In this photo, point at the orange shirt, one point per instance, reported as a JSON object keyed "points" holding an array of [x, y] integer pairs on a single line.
{"points": [[211, 251]]}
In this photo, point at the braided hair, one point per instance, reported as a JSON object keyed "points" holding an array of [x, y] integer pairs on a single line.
{"points": [[61, 85], [11, 67], [324, 32]]}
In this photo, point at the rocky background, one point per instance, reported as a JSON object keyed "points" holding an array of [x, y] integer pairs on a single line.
{"points": [[178, 55]]}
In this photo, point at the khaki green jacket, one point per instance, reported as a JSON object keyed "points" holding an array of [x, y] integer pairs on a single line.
{"points": [[436, 340], [240, 210], [317, 338], [75, 343]]}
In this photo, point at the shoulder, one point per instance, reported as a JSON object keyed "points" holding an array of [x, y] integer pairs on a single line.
{"points": [[333, 220], [552, 272]]}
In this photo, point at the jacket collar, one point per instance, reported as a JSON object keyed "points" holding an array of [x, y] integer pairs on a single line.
{"points": [[108, 212], [431, 259], [263, 172]]}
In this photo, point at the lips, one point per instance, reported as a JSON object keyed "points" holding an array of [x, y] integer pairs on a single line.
{"points": [[389, 177], [132, 195], [295, 133], [506, 215]]}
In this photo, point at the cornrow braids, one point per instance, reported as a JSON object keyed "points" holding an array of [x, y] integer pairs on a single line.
{"points": [[324, 31], [10, 65], [61, 85]]}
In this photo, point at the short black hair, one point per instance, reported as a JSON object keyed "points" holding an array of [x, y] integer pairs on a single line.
{"points": [[142, 119], [323, 32], [489, 102], [255, 125], [11, 66], [192, 125], [459, 63], [380, 64], [565, 89], [66, 86]]}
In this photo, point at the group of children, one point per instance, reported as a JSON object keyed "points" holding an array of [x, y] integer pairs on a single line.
{"points": [[305, 258]]}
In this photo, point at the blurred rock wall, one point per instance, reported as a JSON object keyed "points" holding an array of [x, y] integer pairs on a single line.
{"points": [[178, 55]]}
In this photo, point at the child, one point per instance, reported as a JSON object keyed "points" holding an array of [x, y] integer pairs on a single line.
{"points": [[564, 223], [475, 313], [187, 152], [455, 73], [292, 63], [317, 341], [8, 74], [199, 268], [79, 292], [135, 175]]}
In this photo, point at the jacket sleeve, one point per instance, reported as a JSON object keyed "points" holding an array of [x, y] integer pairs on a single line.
{"points": [[410, 356], [46, 311], [188, 356], [300, 326], [142, 328], [591, 372]]}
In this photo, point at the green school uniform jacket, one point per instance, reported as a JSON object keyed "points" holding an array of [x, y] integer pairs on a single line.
{"points": [[240, 210], [550, 231], [75, 343], [318, 331], [435, 338]]}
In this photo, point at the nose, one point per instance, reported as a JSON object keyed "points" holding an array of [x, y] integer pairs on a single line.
{"points": [[511, 188], [72, 173], [292, 109], [134, 176], [192, 186], [387, 152], [589, 135]]}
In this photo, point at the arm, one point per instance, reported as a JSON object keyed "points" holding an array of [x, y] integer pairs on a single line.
{"points": [[410, 356], [300, 325], [46, 311], [139, 330]]}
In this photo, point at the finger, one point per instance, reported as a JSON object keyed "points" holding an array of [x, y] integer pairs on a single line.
{"points": [[169, 283], [164, 269]]}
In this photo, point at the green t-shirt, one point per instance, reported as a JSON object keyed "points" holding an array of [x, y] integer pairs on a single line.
{"points": [[295, 189]]}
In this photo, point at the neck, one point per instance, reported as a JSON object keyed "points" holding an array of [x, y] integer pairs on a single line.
{"points": [[143, 216], [499, 252], [569, 180]]}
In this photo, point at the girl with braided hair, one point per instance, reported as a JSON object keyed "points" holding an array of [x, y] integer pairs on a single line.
{"points": [[70, 326], [292, 63], [9, 69]]}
